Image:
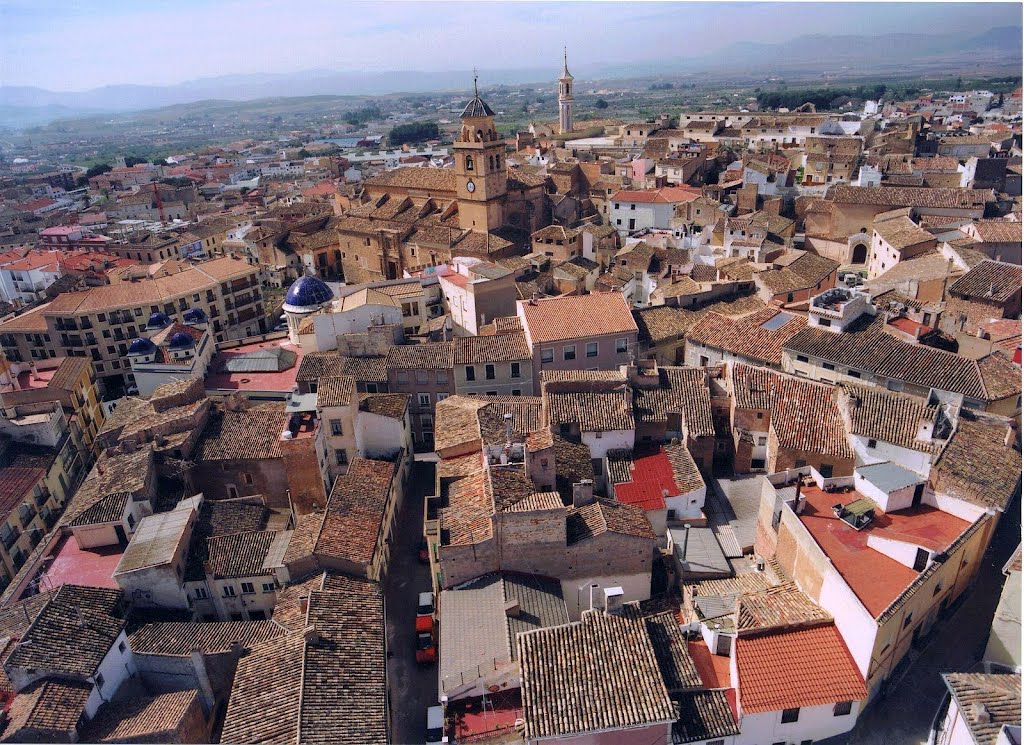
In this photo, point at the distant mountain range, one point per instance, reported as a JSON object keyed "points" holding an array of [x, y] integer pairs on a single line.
{"points": [[25, 105]]}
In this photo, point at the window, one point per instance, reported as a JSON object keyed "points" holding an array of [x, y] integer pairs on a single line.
{"points": [[336, 427], [920, 560], [341, 457], [872, 444], [121, 646], [514, 370], [937, 590], [591, 349], [99, 680], [470, 372], [547, 355], [829, 366], [516, 392], [201, 593], [268, 587], [569, 352], [853, 373], [131, 520], [469, 162], [402, 376], [424, 399], [762, 441], [842, 708], [907, 621], [489, 372], [801, 358], [621, 345], [422, 377], [246, 478], [790, 715], [442, 396], [248, 589], [825, 469], [229, 591], [441, 378]]}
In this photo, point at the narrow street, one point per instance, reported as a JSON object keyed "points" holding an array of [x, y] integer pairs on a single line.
{"points": [[413, 687], [905, 714]]}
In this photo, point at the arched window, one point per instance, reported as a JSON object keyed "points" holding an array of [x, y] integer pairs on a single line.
{"points": [[490, 162], [497, 161], [469, 162], [479, 135]]}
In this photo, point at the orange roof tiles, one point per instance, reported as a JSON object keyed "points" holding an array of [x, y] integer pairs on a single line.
{"points": [[874, 578], [805, 667], [666, 195], [577, 317]]}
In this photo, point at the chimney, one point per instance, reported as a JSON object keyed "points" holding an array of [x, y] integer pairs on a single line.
{"points": [[508, 427], [797, 503], [81, 616], [582, 493], [1010, 437], [512, 608], [613, 600], [304, 604], [980, 713], [311, 636]]}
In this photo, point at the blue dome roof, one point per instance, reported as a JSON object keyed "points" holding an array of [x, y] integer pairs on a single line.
{"points": [[195, 315], [181, 340], [158, 321], [308, 292], [141, 346]]}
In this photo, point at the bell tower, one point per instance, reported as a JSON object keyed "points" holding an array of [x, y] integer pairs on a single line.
{"points": [[565, 96], [481, 176]]}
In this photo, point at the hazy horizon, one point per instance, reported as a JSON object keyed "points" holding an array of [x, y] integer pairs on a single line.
{"points": [[162, 43]]}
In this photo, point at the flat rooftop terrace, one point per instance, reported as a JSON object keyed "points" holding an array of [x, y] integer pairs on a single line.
{"points": [[70, 565], [876, 579]]}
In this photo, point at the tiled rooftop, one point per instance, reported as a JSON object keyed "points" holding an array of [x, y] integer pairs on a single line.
{"points": [[874, 578], [220, 378]]}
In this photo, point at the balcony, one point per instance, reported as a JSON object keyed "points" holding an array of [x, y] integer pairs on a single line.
{"points": [[42, 497], [9, 539]]}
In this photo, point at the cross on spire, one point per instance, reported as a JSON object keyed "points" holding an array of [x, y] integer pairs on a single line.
{"points": [[476, 92]]}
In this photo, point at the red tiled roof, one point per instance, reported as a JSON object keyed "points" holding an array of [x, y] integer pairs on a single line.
{"points": [[874, 578], [577, 317], [666, 195], [805, 667]]}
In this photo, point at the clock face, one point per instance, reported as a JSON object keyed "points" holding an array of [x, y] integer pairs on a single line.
{"points": [[470, 187]]}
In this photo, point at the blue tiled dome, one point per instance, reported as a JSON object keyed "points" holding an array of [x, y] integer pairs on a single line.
{"points": [[158, 321], [181, 340], [141, 346], [308, 292], [195, 315]]}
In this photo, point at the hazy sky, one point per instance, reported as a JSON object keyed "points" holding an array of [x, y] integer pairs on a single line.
{"points": [[81, 44]]}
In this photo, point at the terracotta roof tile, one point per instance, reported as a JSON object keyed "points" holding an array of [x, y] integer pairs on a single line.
{"points": [[178, 639], [599, 673], [153, 717], [53, 707], [352, 525], [989, 281], [997, 695], [793, 669], [577, 317]]}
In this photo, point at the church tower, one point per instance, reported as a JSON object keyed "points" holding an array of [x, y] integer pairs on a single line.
{"points": [[565, 97], [481, 177]]}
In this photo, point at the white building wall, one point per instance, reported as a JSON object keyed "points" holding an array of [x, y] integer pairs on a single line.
{"points": [[956, 507], [855, 624], [328, 326], [814, 723], [379, 436], [889, 502], [914, 460], [902, 551], [116, 668], [601, 442]]}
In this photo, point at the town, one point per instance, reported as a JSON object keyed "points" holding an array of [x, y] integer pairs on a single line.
{"points": [[698, 428]]}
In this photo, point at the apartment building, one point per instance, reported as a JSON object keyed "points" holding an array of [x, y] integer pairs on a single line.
{"points": [[101, 322], [69, 380]]}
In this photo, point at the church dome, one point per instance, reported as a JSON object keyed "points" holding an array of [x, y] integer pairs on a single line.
{"points": [[194, 315], [181, 340], [476, 108], [158, 321], [141, 346], [307, 294]]}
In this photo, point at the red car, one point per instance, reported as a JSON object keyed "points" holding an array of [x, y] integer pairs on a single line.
{"points": [[426, 650]]}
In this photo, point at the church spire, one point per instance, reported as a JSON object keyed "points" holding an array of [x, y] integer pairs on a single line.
{"points": [[565, 64]]}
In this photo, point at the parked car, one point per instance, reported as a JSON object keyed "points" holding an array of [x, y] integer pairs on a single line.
{"points": [[425, 612], [435, 725], [426, 650], [424, 552]]}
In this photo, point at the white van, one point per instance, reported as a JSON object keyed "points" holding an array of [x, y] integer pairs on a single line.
{"points": [[435, 725]]}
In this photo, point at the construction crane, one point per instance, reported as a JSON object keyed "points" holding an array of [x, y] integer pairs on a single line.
{"points": [[159, 201]]}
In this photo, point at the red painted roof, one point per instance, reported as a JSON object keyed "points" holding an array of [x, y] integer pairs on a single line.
{"points": [[712, 668], [804, 667], [874, 578], [908, 326], [651, 474], [71, 565]]}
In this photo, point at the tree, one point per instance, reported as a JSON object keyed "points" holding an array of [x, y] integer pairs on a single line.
{"points": [[414, 132], [134, 160], [600, 104], [304, 153]]}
